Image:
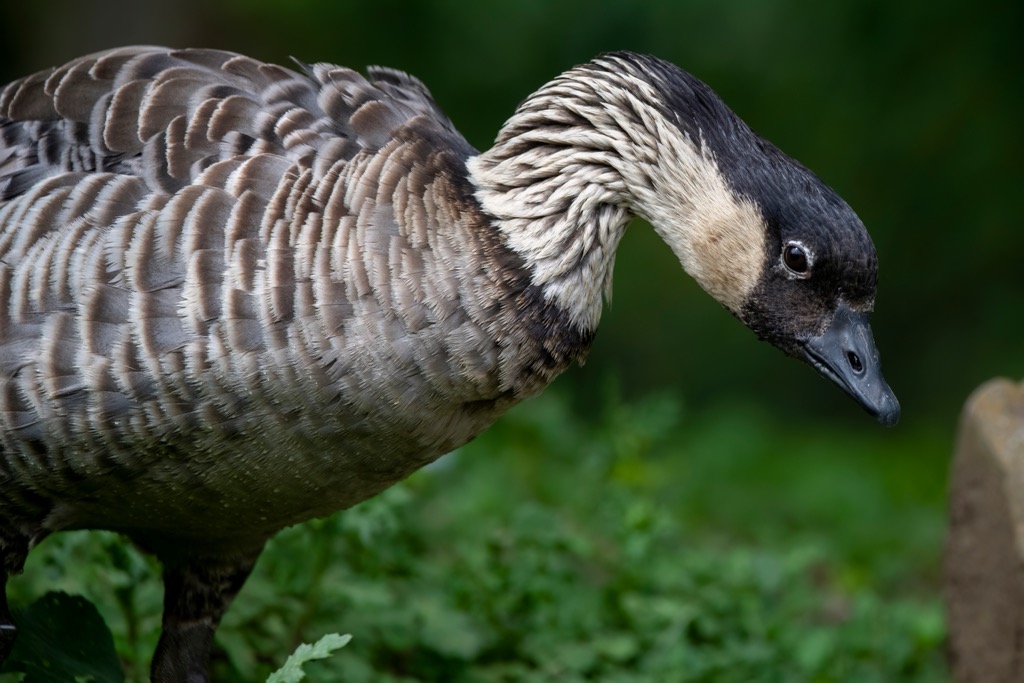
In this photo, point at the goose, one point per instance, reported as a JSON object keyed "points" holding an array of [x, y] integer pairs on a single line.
{"points": [[236, 296]]}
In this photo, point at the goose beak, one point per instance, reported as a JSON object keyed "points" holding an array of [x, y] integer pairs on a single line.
{"points": [[845, 353]]}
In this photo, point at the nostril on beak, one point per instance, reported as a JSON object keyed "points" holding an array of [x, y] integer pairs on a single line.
{"points": [[855, 363]]}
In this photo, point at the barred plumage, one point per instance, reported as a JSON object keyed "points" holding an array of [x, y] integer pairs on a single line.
{"points": [[234, 296]]}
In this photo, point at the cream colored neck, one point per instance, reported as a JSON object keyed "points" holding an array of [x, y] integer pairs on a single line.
{"points": [[584, 155]]}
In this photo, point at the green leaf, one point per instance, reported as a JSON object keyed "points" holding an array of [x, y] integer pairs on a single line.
{"points": [[292, 671], [63, 638]]}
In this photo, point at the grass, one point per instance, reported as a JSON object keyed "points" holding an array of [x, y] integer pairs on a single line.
{"points": [[647, 543]]}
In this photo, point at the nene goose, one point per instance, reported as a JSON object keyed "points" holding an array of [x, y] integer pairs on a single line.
{"points": [[235, 296]]}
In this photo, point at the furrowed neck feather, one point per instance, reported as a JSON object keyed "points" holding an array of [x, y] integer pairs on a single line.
{"points": [[585, 154]]}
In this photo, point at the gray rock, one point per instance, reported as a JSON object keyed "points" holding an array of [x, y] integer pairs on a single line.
{"points": [[984, 556]]}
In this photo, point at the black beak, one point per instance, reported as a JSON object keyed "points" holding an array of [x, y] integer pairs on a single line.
{"points": [[845, 353]]}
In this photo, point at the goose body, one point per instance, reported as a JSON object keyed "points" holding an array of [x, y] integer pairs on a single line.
{"points": [[234, 296]]}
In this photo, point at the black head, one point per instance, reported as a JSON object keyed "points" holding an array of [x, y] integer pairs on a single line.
{"points": [[818, 272], [817, 285]]}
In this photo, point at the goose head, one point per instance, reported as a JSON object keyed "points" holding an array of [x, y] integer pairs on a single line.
{"points": [[814, 289]]}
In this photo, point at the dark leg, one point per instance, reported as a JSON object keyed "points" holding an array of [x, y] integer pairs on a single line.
{"points": [[197, 592]]}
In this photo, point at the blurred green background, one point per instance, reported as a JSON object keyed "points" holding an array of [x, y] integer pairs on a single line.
{"points": [[911, 110]]}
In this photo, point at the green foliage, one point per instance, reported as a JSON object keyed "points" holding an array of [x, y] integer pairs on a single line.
{"points": [[62, 638], [120, 581], [648, 544], [292, 671]]}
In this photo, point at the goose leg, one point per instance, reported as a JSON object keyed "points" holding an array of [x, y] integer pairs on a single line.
{"points": [[197, 593]]}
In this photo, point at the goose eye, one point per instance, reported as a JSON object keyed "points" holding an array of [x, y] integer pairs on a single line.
{"points": [[795, 258]]}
